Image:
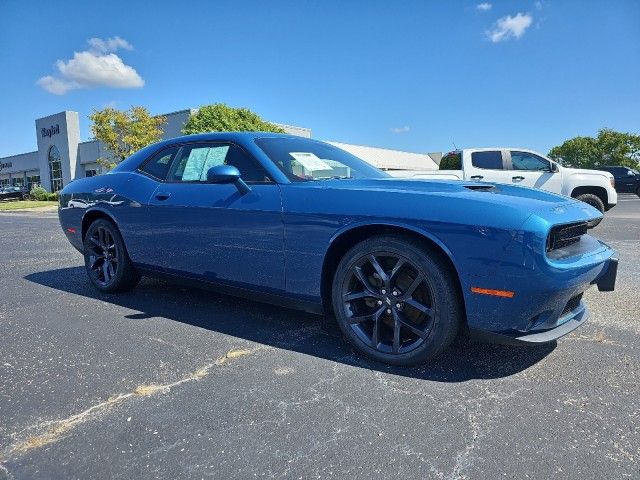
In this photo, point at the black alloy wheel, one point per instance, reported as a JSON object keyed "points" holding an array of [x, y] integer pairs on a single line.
{"points": [[103, 256], [395, 301], [388, 303], [106, 259]]}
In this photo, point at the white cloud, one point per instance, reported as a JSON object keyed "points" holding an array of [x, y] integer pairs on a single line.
{"points": [[509, 27], [484, 6], [96, 67], [109, 45], [399, 129]]}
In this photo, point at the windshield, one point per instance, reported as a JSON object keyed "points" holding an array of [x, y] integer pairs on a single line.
{"points": [[301, 159]]}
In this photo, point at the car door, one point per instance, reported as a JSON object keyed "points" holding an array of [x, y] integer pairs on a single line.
{"points": [[486, 166], [626, 179], [531, 170], [212, 231]]}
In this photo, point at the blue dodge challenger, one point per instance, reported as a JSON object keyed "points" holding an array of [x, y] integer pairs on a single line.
{"points": [[404, 265]]}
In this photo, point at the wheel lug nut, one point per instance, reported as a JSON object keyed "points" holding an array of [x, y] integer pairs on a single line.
{"points": [[383, 291], [395, 293], [398, 305], [388, 310], [379, 302]]}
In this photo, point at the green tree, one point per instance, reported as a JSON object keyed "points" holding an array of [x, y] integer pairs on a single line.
{"points": [[607, 148], [223, 118], [124, 132]]}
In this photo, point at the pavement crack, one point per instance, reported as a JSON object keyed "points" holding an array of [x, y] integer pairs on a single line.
{"points": [[51, 431]]}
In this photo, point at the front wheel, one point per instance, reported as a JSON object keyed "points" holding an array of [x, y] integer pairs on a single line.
{"points": [[395, 301], [106, 260]]}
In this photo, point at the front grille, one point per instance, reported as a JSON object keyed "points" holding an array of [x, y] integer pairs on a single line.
{"points": [[564, 235], [572, 304]]}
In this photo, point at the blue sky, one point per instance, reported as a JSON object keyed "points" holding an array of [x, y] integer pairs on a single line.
{"points": [[414, 76]]}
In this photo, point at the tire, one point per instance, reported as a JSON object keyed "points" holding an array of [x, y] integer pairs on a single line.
{"points": [[415, 305], [106, 259], [638, 191], [595, 202]]}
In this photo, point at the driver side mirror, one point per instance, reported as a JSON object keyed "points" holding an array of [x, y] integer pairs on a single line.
{"points": [[554, 168], [227, 174]]}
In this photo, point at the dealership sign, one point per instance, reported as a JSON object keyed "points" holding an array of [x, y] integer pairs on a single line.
{"points": [[5, 165], [47, 132]]}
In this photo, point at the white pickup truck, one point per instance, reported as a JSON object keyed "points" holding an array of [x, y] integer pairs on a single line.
{"points": [[519, 166]]}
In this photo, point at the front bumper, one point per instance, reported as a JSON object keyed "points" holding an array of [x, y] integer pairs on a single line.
{"points": [[552, 314], [607, 281]]}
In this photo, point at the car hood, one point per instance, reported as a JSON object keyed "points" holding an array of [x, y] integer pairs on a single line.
{"points": [[584, 171], [450, 201], [482, 191]]}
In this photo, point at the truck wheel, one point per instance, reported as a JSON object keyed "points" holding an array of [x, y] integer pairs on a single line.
{"points": [[638, 191], [595, 202], [395, 301]]}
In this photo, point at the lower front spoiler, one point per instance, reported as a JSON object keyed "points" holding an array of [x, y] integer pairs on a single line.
{"points": [[533, 338]]}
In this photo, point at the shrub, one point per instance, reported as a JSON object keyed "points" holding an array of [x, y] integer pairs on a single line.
{"points": [[39, 193], [53, 197]]}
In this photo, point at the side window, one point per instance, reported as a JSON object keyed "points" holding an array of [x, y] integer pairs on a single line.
{"points": [[196, 160], [451, 161], [491, 160], [158, 166], [529, 161]]}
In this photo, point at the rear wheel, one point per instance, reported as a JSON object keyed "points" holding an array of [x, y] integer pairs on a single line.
{"points": [[595, 202], [106, 259], [394, 301]]}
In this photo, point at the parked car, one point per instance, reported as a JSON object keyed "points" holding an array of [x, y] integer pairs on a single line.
{"points": [[527, 168], [404, 265], [627, 179], [14, 193]]}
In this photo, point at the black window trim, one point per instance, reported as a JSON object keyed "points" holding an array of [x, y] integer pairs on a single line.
{"points": [[181, 145]]}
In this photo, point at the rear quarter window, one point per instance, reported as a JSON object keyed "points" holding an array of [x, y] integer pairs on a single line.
{"points": [[451, 161], [158, 165]]}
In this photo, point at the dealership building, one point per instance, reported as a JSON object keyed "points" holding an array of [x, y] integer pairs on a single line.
{"points": [[62, 157]]}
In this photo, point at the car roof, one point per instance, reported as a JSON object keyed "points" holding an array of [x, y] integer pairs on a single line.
{"points": [[237, 136], [132, 162]]}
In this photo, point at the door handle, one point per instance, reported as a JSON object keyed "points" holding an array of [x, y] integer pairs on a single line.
{"points": [[517, 178], [162, 195], [476, 177]]}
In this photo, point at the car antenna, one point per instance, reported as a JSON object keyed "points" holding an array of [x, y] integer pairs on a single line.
{"points": [[454, 144]]}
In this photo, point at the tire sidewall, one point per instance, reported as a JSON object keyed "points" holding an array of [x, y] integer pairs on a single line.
{"points": [[592, 200], [445, 302]]}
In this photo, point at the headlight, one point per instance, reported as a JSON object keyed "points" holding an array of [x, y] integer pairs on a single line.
{"points": [[613, 182]]}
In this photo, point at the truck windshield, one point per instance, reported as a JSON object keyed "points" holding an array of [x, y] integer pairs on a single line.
{"points": [[451, 161]]}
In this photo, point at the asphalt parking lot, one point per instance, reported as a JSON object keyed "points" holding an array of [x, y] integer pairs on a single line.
{"points": [[166, 382]]}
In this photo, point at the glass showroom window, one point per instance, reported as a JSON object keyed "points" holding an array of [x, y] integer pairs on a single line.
{"points": [[33, 181], [55, 169]]}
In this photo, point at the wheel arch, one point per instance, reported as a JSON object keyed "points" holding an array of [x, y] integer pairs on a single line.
{"points": [[91, 216], [599, 192], [344, 240]]}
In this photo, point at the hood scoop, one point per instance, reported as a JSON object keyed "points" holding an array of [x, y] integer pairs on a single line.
{"points": [[482, 188]]}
